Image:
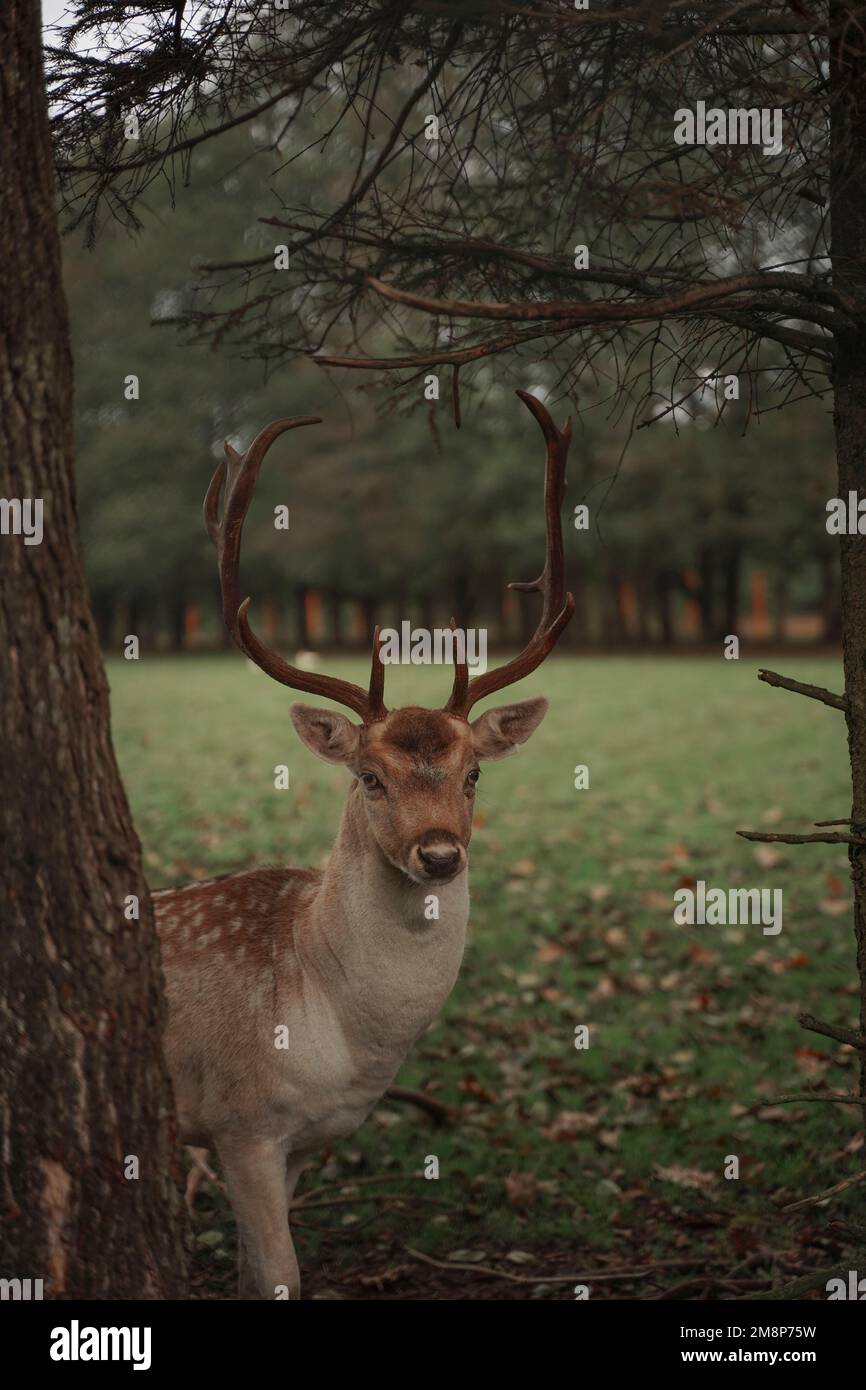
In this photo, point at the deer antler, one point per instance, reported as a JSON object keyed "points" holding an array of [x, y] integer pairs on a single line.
{"points": [[239, 474], [558, 606]]}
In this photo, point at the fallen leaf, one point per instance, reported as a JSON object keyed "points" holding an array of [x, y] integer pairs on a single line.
{"points": [[677, 857], [522, 1189], [550, 951], [522, 868], [474, 1088], [385, 1276], [685, 1177], [569, 1123], [834, 907], [767, 857]]}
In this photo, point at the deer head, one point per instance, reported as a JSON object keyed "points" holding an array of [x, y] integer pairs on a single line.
{"points": [[415, 769]]}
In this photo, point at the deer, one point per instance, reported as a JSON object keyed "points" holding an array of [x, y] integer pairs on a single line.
{"points": [[294, 994]]}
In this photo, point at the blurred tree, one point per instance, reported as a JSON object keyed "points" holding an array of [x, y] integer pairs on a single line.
{"points": [[401, 513]]}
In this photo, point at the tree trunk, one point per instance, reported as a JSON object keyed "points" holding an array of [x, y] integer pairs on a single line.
{"points": [[336, 614], [575, 634], [848, 203], [302, 627], [731, 589], [425, 612], [781, 597], [832, 618], [705, 596], [178, 624], [370, 611], [614, 632], [83, 1088], [664, 607], [464, 600]]}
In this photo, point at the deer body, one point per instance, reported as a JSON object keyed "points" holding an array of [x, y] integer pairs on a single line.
{"points": [[345, 961], [294, 995]]}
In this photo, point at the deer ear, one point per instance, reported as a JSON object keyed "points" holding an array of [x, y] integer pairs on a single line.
{"points": [[326, 733], [498, 732]]}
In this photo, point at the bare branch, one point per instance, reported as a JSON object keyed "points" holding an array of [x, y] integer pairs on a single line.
{"points": [[826, 1195], [830, 1030], [814, 692], [828, 838], [749, 290]]}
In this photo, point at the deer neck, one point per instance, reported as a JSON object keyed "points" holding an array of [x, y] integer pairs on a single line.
{"points": [[387, 961]]}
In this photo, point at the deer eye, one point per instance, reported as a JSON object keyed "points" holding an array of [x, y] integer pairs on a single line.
{"points": [[473, 775], [369, 781]]}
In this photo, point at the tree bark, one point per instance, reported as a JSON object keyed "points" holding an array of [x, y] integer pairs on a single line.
{"points": [[336, 615], [83, 1087], [832, 618], [664, 606], [731, 588], [302, 627], [178, 624], [781, 597], [848, 203]]}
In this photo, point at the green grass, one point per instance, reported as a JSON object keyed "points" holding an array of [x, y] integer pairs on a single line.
{"points": [[572, 895]]}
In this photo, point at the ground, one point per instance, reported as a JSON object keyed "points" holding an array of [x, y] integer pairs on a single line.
{"points": [[561, 1163]]}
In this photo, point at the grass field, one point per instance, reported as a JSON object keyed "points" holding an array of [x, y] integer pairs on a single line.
{"points": [[564, 1161]]}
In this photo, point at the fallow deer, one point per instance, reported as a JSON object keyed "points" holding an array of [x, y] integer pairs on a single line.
{"points": [[350, 961]]}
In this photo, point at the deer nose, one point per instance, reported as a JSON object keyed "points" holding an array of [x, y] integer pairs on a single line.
{"points": [[439, 859]]}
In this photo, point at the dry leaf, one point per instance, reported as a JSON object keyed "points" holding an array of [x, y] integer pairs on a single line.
{"points": [[685, 1177], [568, 1124], [522, 868], [550, 951], [767, 857], [834, 907], [522, 1189]]}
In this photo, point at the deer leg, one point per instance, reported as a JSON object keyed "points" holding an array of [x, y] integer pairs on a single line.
{"points": [[200, 1170], [254, 1171], [295, 1165]]}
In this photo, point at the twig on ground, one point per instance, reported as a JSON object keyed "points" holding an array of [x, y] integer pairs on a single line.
{"points": [[315, 1192], [439, 1112], [830, 1192], [363, 1197], [596, 1277], [846, 1098], [805, 1283]]}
